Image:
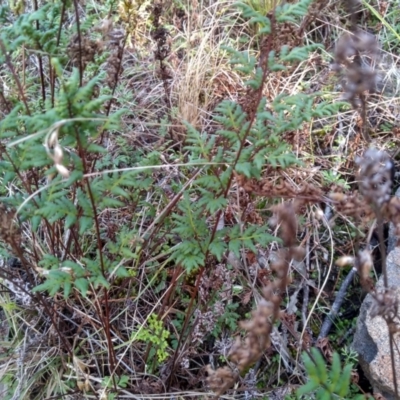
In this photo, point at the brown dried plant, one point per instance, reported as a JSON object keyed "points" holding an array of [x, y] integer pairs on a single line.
{"points": [[375, 178], [359, 76], [245, 353], [356, 56], [116, 46], [83, 51], [9, 232], [280, 187]]}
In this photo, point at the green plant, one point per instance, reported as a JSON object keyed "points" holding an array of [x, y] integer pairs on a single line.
{"points": [[107, 222], [155, 336], [228, 319], [262, 7], [326, 383], [121, 381], [331, 177], [248, 141], [349, 356]]}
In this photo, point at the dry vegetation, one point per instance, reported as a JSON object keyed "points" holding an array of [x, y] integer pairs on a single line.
{"points": [[140, 321]]}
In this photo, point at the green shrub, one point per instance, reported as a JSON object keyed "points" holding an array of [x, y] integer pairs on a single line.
{"points": [[86, 221]]}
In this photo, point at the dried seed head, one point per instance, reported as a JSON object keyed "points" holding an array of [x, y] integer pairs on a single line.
{"points": [[57, 154], [9, 232], [337, 196], [220, 380], [62, 170], [259, 324], [319, 214], [287, 218], [53, 138], [365, 42], [345, 50], [375, 176], [298, 253], [344, 261], [82, 50], [364, 265], [244, 354], [356, 54]]}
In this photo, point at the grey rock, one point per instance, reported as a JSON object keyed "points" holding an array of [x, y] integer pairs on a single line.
{"points": [[393, 239], [371, 340]]}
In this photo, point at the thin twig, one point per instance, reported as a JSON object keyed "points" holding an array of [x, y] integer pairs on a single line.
{"points": [[330, 318]]}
